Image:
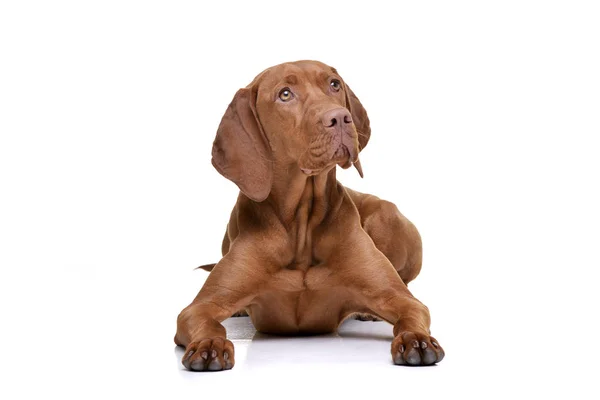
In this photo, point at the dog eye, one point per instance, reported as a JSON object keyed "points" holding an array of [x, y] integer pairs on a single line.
{"points": [[285, 94], [335, 85]]}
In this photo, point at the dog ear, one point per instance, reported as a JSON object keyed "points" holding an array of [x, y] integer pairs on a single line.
{"points": [[360, 118], [361, 121], [241, 151]]}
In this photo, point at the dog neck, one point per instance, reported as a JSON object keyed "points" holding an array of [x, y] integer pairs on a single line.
{"points": [[302, 202], [296, 196]]}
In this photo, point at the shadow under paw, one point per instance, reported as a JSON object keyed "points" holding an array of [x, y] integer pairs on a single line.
{"points": [[241, 313], [365, 317]]}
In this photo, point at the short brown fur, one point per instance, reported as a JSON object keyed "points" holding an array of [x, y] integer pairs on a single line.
{"points": [[301, 252]]}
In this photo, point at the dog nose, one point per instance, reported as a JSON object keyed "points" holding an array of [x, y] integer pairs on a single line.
{"points": [[337, 117]]}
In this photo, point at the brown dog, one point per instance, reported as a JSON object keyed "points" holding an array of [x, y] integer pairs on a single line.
{"points": [[301, 252]]}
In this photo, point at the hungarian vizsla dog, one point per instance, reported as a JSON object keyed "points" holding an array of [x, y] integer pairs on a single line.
{"points": [[302, 252]]}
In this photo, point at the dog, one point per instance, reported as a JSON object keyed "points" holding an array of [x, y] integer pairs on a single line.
{"points": [[301, 252]]}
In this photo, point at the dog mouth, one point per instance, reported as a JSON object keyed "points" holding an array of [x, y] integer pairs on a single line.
{"points": [[328, 150], [341, 156], [344, 156], [341, 152]]}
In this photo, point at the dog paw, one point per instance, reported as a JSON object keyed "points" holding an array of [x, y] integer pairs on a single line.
{"points": [[409, 348], [214, 354]]}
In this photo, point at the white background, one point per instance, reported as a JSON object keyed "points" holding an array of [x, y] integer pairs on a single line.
{"points": [[485, 120]]}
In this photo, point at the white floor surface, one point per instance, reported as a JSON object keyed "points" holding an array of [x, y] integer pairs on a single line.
{"points": [[108, 336]]}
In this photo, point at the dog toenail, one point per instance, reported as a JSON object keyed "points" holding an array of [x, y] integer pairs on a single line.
{"points": [[225, 355], [415, 344], [401, 348], [213, 354], [423, 345], [434, 344], [205, 355]]}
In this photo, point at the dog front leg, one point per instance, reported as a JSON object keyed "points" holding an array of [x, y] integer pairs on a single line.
{"points": [[231, 286], [379, 290], [413, 343]]}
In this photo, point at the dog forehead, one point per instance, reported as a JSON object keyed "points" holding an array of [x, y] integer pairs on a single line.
{"points": [[295, 72]]}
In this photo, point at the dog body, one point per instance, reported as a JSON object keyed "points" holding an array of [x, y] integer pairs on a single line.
{"points": [[311, 286], [301, 252]]}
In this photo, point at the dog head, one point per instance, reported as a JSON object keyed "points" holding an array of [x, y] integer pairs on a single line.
{"points": [[299, 114]]}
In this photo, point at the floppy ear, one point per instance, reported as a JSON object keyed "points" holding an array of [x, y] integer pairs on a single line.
{"points": [[241, 151], [361, 121]]}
